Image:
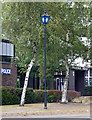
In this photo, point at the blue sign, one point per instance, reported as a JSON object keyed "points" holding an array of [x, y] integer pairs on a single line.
{"points": [[6, 71]]}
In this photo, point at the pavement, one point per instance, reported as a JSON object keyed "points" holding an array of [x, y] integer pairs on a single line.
{"points": [[54, 110]]}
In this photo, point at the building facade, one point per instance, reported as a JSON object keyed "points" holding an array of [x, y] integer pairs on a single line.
{"points": [[79, 77], [88, 77], [8, 70]]}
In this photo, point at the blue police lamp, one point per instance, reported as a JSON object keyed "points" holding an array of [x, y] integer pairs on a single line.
{"points": [[45, 18]]}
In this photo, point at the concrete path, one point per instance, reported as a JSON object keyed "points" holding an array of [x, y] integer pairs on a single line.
{"points": [[53, 116], [55, 110]]}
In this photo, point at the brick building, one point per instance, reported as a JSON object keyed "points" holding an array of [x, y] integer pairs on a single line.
{"points": [[8, 70]]}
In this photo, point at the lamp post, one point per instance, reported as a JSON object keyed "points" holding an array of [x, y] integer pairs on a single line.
{"points": [[45, 18]]}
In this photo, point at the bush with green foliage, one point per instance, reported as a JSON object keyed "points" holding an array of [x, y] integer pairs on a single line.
{"points": [[40, 95], [12, 95], [9, 96], [18, 84], [88, 90], [31, 97], [55, 95]]}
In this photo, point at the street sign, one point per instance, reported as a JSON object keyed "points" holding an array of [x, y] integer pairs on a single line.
{"points": [[5, 71]]}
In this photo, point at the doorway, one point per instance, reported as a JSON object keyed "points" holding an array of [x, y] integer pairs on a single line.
{"points": [[79, 81]]}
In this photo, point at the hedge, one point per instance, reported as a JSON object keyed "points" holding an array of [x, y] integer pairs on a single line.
{"points": [[52, 95], [72, 94], [11, 95]]}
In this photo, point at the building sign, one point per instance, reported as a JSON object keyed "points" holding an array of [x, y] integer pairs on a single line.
{"points": [[5, 71]]}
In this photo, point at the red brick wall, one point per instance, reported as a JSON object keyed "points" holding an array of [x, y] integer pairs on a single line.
{"points": [[9, 79]]}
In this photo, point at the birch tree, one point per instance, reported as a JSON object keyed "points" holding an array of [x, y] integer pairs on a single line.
{"points": [[22, 25], [73, 21], [27, 76]]}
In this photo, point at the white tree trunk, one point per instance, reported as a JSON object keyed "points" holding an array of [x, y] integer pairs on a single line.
{"points": [[27, 76], [26, 82], [64, 93]]}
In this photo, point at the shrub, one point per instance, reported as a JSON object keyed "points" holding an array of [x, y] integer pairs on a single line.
{"points": [[18, 84], [30, 96], [52, 95], [88, 90], [42, 87], [19, 92], [9, 96], [72, 94], [56, 95], [40, 95], [50, 98]]}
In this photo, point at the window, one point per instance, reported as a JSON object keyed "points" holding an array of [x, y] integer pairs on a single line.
{"points": [[90, 72], [4, 59], [6, 49]]}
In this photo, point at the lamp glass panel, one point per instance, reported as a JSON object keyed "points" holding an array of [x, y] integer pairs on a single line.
{"points": [[43, 20], [46, 20]]}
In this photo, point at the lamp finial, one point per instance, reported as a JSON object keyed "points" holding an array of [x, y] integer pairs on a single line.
{"points": [[45, 11]]}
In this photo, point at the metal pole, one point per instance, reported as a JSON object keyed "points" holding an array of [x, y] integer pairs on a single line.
{"points": [[45, 93]]}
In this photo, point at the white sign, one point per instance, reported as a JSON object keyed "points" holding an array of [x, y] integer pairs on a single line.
{"points": [[6, 71]]}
